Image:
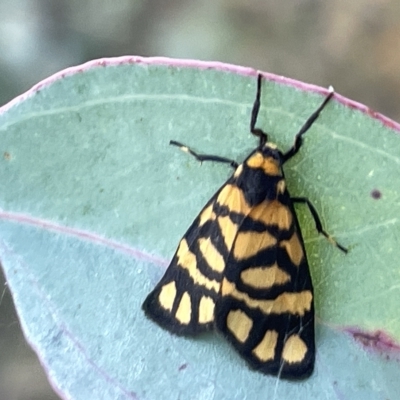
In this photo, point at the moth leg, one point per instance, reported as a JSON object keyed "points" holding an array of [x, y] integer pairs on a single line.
{"points": [[204, 157], [318, 224], [298, 140], [254, 114]]}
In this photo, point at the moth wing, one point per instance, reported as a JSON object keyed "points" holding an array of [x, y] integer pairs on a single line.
{"points": [[265, 308], [183, 301]]}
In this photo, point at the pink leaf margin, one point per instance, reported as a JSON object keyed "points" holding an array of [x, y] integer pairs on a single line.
{"points": [[200, 65], [377, 341]]}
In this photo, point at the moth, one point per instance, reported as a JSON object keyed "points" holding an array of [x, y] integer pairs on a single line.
{"points": [[241, 268]]}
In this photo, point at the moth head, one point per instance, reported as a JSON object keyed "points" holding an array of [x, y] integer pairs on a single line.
{"points": [[267, 159]]}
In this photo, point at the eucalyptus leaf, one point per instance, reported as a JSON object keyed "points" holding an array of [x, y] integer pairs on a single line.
{"points": [[94, 201]]}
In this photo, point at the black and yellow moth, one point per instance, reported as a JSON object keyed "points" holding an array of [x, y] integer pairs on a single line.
{"points": [[241, 268]]}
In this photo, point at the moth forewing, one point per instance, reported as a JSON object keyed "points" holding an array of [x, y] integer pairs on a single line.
{"points": [[242, 268]]}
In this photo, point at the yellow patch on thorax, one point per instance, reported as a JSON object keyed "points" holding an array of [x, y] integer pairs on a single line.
{"points": [[269, 165], [238, 171], [281, 186]]}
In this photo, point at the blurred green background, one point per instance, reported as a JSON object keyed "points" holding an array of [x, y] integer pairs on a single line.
{"points": [[355, 46]]}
